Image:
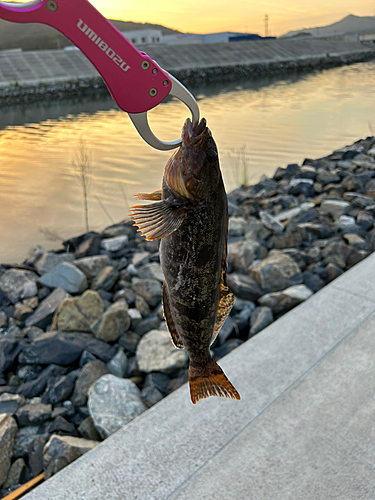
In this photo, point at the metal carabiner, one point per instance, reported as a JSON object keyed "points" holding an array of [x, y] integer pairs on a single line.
{"points": [[135, 81]]}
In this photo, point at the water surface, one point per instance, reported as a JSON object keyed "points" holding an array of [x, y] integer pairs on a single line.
{"points": [[269, 123]]}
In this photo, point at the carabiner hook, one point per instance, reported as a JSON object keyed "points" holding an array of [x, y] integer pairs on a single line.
{"points": [[141, 123]]}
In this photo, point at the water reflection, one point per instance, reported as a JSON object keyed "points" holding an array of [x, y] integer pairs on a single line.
{"points": [[272, 121]]}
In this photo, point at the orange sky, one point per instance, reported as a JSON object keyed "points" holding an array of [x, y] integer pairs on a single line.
{"points": [[241, 15]]}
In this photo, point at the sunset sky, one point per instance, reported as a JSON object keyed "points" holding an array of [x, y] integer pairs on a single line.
{"points": [[208, 16]]}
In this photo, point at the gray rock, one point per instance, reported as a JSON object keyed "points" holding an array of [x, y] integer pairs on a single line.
{"points": [[151, 271], [129, 341], [9, 350], [256, 230], [140, 259], [358, 200], [271, 223], [142, 306], [365, 220], [18, 284], [27, 440], [118, 365], [77, 315], [114, 244], [49, 261], [242, 253], [65, 276], [149, 289], [276, 272], [151, 396], [155, 352], [120, 229], [229, 328], [113, 402], [237, 226], [261, 317], [106, 278], [17, 474], [88, 430], [145, 325], [3, 320], [355, 240], [286, 299], [114, 322], [33, 414], [333, 271], [90, 373], [60, 451], [287, 241], [35, 386], [91, 266], [345, 223], [135, 317], [335, 208], [8, 428], [59, 388], [42, 317], [53, 347], [244, 287], [9, 403], [293, 212]]}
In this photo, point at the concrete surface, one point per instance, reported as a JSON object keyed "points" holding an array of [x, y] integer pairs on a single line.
{"points": [[304, 429], [33, 67]]}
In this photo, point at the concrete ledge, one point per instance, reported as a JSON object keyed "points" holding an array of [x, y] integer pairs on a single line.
{"points": [[303, 429]]}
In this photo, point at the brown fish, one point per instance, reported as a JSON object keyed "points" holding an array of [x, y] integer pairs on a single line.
{"points": [[190, 218]]}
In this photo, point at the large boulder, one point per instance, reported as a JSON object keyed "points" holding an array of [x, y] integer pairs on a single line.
{"points": [[113, 402], [156, 353], [277, 272]]}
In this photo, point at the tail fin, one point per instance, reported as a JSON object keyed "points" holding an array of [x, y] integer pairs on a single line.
{"points": [[210, 381]]}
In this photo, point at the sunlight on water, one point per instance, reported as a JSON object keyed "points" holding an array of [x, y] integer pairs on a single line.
{"points": [[273, 122]]}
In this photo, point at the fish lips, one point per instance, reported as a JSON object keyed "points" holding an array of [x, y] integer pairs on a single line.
{"points": [[194, 136]]}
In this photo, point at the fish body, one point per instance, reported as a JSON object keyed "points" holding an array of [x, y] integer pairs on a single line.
{"points": [[191, 220]]}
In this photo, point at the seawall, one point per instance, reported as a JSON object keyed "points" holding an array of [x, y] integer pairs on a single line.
{"points": [[54, 74]]}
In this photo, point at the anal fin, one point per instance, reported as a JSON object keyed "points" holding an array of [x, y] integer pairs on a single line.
{"points": [[226, 300], [177, 342]]}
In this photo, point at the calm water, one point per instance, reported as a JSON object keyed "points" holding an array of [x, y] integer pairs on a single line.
{"points": [[268, 123]]}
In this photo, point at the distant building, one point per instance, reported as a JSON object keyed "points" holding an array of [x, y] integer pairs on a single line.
{"points": [[143, 37], [225, 36]]}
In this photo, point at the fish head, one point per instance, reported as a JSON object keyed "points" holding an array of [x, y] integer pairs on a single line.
{"points": [[194, 171]]}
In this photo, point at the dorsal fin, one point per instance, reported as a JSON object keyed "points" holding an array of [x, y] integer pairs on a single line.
{"points": [[155, 196], [158, 220]]}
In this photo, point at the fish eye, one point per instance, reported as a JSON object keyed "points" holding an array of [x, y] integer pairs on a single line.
{"points": [[211, 155]]}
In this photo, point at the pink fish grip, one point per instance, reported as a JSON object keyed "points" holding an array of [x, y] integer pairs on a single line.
{"points": [[135, 81]]}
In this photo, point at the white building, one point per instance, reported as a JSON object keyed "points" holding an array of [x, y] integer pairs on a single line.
{"points": [[142, 37], [225, 36]]}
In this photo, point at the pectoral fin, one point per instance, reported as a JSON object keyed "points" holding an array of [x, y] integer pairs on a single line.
{"points": [[169, 319], [226, 299], [158, 220]]}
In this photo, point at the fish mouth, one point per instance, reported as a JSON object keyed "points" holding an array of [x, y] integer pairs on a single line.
{"points": [[194, 135]]}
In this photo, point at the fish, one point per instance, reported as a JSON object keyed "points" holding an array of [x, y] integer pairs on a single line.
{"points": [[190, 220]]}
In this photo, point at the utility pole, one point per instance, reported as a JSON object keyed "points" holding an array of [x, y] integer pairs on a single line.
{"points": [[266, 18]]}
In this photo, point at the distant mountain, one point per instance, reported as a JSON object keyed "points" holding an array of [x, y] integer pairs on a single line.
{"points": [[350, 24], [39, 36]]}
